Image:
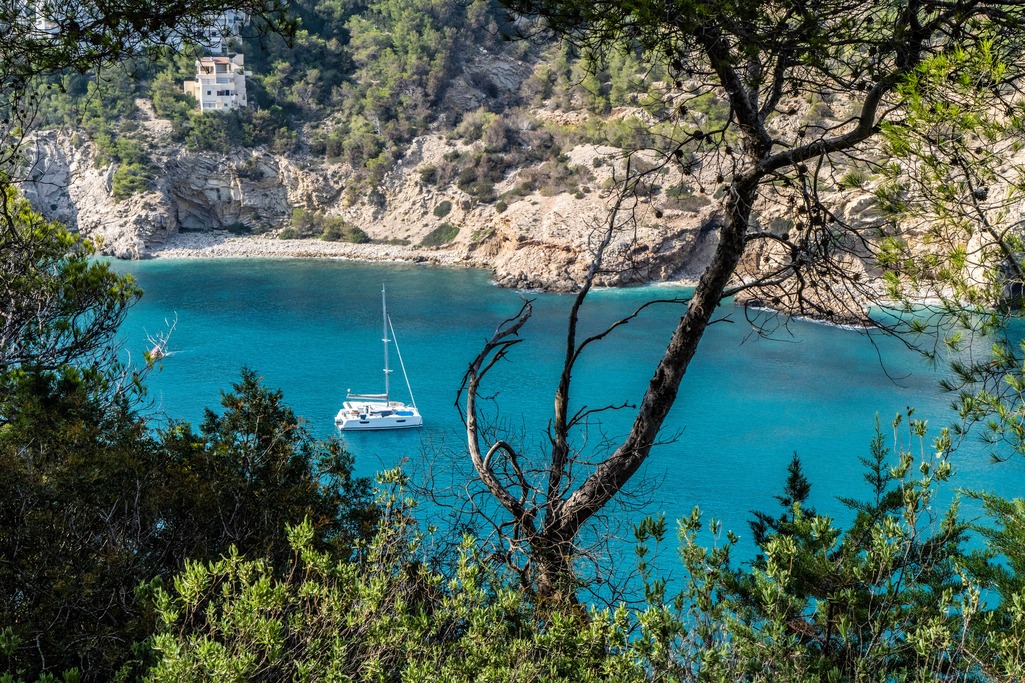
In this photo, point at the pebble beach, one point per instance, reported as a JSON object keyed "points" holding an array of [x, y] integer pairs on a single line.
{"points": [[207, 245]]}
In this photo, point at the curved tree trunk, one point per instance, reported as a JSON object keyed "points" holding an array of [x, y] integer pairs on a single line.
{"points": [[755, 77], [612, 474]]}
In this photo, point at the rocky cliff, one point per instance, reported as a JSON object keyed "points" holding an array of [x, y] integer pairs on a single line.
{"points": [[530, 239]]}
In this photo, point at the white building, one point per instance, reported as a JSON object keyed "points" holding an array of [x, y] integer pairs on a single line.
{"points": [[223, 28], [216, 32], [43, 24], [220, 83], [36, 15]]}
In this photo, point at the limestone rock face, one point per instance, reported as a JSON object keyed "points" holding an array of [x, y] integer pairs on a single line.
{"points": [[49, 177], [486, 78], [209, 192], [536, 240], [550, 244], [65, 184], [244, 191], [537, 227]]}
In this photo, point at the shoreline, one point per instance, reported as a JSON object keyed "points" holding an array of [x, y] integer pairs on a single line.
{"points": [[206, 245], [209, 245]]}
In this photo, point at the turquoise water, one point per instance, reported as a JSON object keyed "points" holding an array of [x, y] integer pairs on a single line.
{"points": [[312, 329]]}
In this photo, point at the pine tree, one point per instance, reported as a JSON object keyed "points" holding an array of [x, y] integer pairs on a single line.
{"points": [[795, 493]]}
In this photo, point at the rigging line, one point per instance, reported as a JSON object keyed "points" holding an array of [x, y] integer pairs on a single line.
{"points": [[402, 365]]}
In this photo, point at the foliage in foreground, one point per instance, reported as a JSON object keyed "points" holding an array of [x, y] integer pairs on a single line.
{"points": [[94, 498], [94, 502], [385, 614], [893, 597]]}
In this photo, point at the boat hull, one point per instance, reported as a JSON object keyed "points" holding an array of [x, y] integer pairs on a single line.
{"points": [[376, 416]]}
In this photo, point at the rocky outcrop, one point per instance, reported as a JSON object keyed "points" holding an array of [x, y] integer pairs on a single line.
{"points": [[485, 79], [542, 239], [66, 183], [532, 241], [246, 191]]}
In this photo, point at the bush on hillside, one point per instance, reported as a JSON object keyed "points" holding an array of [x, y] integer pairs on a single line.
{"points": [[441, 235], [443, 209]]}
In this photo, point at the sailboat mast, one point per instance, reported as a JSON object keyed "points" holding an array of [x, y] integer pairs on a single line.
{"points": [[384, 338]]}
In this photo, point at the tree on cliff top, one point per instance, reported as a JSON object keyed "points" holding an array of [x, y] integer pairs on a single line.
{"points": [[930, 86], [45, 37]]}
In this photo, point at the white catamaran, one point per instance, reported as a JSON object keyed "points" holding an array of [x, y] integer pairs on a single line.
{"points": [[377, 411]]}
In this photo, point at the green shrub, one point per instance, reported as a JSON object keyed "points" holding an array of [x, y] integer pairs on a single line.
{"points": [[853, 179], [129, 179], [169, 102], [307, 223], [628, 133], [552, 178], [337, 230], [378, 167], [908, 609], [134, 171], [429, 175], [479, 173], [681, 196], [482, 234], [679, 190], [249, 169], [892, 198], [473, 125], [819, 111], [318, 144], [482, 190], [712, 106], [443, 234], [443, 209], [389, 617], [303, 222]]}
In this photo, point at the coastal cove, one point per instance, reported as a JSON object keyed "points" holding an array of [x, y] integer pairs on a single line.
{"points": [[312, 328]]}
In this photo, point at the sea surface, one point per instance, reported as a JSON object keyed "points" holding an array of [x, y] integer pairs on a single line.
{"points": [[313, 329]]}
